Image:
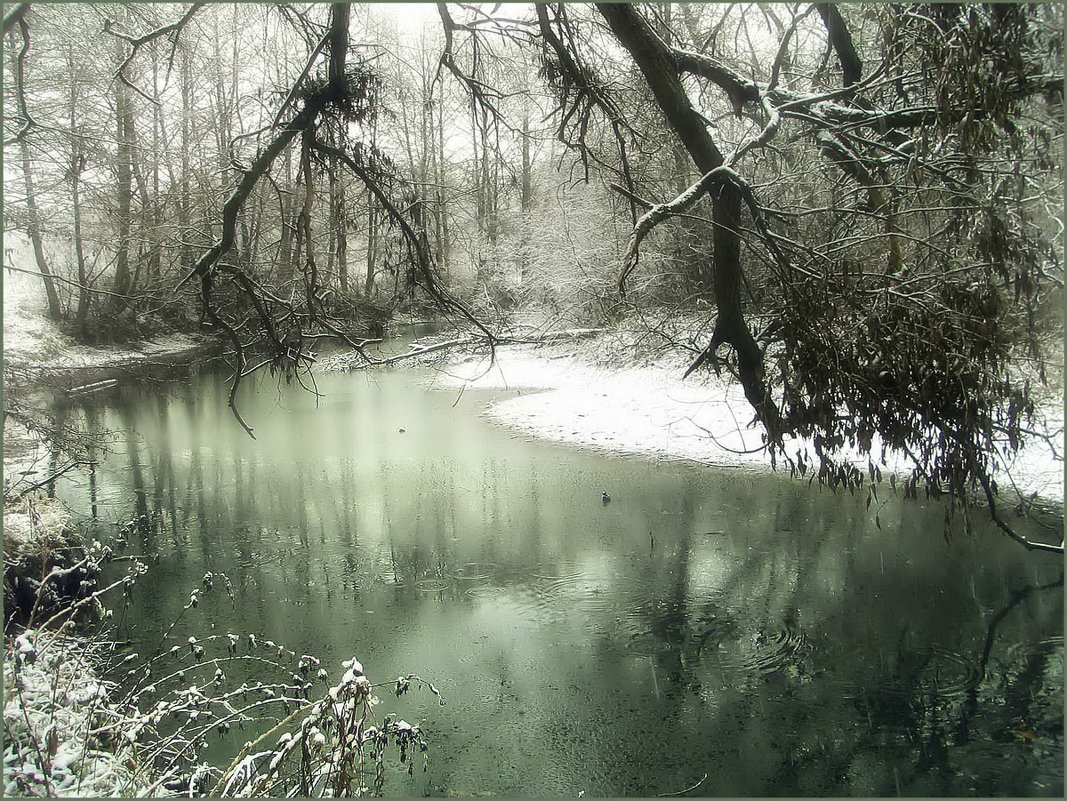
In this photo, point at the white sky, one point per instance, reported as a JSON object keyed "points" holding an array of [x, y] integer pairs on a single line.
{"points": [[410, 17]]}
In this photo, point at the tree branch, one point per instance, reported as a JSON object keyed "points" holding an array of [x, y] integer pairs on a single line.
{"points": [[416, 242], [137, 42], [14, 15], [841, 41], [20, 75]]}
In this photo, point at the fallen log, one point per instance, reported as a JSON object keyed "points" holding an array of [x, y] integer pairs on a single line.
{"points": [[417, 349], [89, 389]]}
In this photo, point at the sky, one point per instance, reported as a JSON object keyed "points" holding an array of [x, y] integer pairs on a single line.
{"points": [[410, 17]]}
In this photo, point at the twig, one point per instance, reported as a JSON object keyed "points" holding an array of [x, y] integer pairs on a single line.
{"points": [[46, 767], [417, 350], [686, 790], [63, 280], [53, 477], [138, 41]]}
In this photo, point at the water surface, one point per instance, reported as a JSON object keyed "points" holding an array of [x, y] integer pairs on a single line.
{"points": [[775, 637]]}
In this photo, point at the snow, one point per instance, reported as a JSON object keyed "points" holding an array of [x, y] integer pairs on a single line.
{"points": [[650, 410], [51, 702], [60, 353], [32, 340], [34, 526]]}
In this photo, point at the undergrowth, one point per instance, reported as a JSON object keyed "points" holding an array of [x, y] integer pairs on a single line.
{"points": [[85, 716]]}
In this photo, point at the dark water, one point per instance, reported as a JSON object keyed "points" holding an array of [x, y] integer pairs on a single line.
{"points": [[760, 631]]}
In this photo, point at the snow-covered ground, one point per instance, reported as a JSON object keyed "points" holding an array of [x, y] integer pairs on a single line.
{"points": [[67, 355], [33, 341], [650, 410], [52, 701]]}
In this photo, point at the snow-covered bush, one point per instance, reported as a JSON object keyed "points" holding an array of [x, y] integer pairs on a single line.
{"points": [[332, 748], [47, 569], [59, 724], [85, 716]]}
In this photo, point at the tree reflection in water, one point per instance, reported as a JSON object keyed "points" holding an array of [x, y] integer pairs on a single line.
{"points": [[773, 636]]}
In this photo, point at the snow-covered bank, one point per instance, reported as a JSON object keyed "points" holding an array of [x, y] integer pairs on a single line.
{"points": [[38, 354], [32, 341], [650, 410], [59, 724], [64, 355]]}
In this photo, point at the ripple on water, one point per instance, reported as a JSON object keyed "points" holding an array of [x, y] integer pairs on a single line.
{"points": [[760, 653], [935, 672], [433, 584], [475, 572], [1021, 654], [779, 650], [722, 642], [567, 593]]}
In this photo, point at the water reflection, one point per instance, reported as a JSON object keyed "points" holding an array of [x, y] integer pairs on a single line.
{"points": [[767, 634]]}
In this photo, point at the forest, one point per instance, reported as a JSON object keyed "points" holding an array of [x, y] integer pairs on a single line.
{"points": [[848, 216]]}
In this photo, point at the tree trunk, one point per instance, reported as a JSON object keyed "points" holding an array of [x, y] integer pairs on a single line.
{"points": [[124, 169], [372, 245], [145, 235], [55, 311], [338, 226], [184, 201], [284, 270], [841, 41], [526, 198], [331, 226], [489, 178], [82, 312], [342, 240], [222, 117], [33, 220], [155, 261], [443, 244], [851, 73], [372, 227], [310, 271], [77, 164], [660, 70]]}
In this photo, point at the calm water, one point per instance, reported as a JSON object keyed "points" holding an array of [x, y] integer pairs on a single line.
{"points": [[757, 630]]}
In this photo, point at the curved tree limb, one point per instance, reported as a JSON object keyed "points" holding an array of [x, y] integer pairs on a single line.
{"points": [[1030, 545], [658, 213], [14, 15], [249, 179], [137, 42], [416, 240], [841, 41], [205, 266], [661, 68], [20, 73]]}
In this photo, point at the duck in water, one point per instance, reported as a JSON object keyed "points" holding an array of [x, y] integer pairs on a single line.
{"points": [[605, 498]]}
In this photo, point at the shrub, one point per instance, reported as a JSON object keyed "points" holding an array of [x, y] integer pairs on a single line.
{"points": [[83, 717]]}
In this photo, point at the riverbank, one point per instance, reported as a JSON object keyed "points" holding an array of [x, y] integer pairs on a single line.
{"points": [[57, 361], [41, 360], [71, 370], [58, 717], [53, 700], [569, 393]]}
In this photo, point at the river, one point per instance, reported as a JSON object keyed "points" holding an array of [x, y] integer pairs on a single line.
{"points": [[776, 638]]}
